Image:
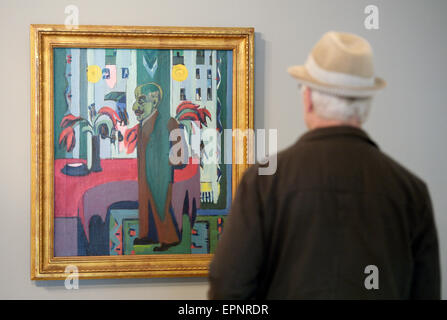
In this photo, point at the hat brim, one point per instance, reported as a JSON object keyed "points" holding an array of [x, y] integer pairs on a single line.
{"points": [[300, 73]]}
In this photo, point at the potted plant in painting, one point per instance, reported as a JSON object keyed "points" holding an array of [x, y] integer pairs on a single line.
{"points": [[99, 125]]}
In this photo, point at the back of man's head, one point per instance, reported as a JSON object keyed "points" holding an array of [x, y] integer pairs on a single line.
{"points": [[336, 109]]}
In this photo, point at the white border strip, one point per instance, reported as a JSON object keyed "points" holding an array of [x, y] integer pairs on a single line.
{"points": [[336, 78]]}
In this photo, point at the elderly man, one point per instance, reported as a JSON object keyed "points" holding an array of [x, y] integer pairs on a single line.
{"points": [[156, 222], [339, 219]]}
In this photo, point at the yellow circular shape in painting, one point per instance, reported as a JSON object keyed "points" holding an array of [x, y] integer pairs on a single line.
{"points": [[179, 72], [94, 73]]}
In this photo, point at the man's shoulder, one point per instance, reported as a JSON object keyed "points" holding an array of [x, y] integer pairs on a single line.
{"points": [[309, 156], [408, 177], [303, 160], [273, 160]]}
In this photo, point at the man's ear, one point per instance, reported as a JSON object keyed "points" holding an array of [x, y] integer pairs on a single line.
{"points": [[307, 96]]}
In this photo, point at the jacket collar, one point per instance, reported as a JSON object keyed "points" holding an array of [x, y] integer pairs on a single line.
{"points": [[337, 132]]}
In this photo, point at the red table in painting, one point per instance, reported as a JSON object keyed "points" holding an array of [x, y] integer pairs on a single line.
{"points": [[69, 191], [82, 197]]}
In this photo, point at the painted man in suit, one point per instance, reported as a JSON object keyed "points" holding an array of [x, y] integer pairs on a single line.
{"points": [[156, 220]]}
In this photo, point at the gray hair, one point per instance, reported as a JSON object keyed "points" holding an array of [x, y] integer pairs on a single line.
{"points": [[332, 107]]}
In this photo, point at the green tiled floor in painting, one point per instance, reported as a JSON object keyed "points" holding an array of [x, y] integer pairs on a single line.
{"points": [[130, 227]]}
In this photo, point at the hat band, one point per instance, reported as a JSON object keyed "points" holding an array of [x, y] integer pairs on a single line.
{"points": [[336, 78]]}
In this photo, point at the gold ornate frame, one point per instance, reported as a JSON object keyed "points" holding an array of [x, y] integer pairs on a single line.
{"points": [[44, 38]]}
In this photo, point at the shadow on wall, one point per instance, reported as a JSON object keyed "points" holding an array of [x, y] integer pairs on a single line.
{"points": [[111, 283], [260, 65]]}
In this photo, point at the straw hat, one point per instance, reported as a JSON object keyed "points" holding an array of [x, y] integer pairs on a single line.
{"points": [[340, 64]]}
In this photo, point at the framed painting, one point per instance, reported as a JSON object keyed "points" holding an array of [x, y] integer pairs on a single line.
{"points": [[128, 146]]}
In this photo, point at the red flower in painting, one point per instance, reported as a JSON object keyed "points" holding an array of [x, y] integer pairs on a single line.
{"points": [[98, 125], [130, 139], [187, 111], [204, 113], [67, 138], [111, 113], [69, 120]]}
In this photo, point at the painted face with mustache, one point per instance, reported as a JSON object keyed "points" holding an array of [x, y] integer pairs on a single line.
{"points": [[145, 104]]}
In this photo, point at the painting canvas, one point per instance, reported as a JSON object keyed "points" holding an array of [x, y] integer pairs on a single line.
{"points": [[132, 169], [116, 192]]}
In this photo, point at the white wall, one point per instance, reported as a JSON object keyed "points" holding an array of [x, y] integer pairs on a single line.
{"points": [[407, 119]]}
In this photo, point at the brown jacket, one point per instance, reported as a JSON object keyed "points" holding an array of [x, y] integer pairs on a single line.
{"points": [[335, 205]]}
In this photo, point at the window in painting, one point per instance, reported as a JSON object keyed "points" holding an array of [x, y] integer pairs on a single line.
{"points": [[182, 94], [209, 94], [200, 57], [178, 57]]}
